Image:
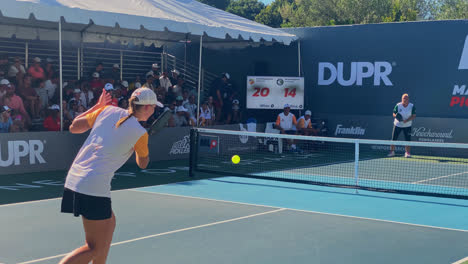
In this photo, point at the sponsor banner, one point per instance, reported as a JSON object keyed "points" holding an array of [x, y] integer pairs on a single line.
{"points": [[424, 129], [270, 92]]}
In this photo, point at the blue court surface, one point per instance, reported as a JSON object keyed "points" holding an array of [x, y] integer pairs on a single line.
{"points": [[241, 220]]}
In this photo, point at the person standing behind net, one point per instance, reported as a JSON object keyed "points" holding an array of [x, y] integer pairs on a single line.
{"points": [[115, 134], [403, 114]]}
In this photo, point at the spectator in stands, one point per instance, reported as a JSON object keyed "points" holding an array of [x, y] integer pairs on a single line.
{"points": [[51, 85], [165, 82], [110, 89], [5, 119], [99, 69], [115, 74], [155, 69], [304, 125], [185, 96], [15, 102], [96, 84], [39, 87], [174, 76], [49, 69], [223, 94], [16, 71], [206, 116], [86, 95], [124, 89], [212, 109], [234, 116], [191, 107], [18, 122], [123, 103], [180, 118], [149, 81], [134, 85], [286, 122], [4, 67], [81, 109], [73, 105], [52, 121], [4, 83], [76, 98], [171, 107], [30, 97], [67, 116], [36, 71]]}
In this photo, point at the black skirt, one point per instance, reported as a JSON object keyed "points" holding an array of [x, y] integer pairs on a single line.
{"points": [[90, 207]]}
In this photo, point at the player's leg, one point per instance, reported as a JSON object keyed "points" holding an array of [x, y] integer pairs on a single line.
{"points": [[396, 132], [407, 133], [98, 237]]}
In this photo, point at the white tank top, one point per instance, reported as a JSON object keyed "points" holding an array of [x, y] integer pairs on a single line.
{"points": [[105, 150]]}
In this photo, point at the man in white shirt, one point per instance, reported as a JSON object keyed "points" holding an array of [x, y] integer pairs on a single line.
{"points": [[286, 123], [403, 114]]}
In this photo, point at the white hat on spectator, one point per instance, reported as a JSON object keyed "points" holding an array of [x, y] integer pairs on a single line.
{"points": [[37, 59], [155, 65], [54, 107], [4, 82], [65, 84], [287, 106], [226, 75], [146, 96], [116, 66], [181, 109], [137, 85], [77, 90], [175, 71], [125, 84], [96, 75], [235, 101], [308, 112], [149, 74], [109, 87]]}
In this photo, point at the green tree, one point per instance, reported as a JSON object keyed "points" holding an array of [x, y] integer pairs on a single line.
{"points": [[452, 9], [220, 4], [245, 8], [271, 15]]}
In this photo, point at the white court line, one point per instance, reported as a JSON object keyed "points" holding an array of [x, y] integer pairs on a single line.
{"points": [[461, 261], [167, 233], [307, 211], [440, 177]]}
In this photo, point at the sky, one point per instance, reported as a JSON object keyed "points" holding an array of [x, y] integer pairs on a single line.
{"points": [[266, 2]]}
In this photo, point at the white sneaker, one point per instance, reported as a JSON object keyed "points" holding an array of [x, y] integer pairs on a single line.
{"points": [[391, 154], [407, 155]]}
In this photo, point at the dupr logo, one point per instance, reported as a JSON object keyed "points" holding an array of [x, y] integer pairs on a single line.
{"points": [[21, 148], [379, 70]]}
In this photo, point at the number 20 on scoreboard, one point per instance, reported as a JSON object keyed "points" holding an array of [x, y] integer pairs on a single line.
{"points": [[268, 92]]}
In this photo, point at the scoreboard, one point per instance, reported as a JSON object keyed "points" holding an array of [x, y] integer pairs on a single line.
{"points": [[271, 92]]}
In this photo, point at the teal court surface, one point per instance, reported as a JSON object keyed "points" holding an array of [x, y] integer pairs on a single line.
{"points": [[164, 216]]}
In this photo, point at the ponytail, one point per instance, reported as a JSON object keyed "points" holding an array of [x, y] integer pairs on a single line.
{"points": [[132, 107]]}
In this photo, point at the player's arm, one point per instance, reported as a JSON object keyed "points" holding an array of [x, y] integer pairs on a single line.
{"points": [[395, 111], [85, 121], [278, 123], [142, 151]]}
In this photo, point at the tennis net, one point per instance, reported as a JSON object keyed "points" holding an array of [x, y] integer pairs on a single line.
{"points": [[436, 169]]}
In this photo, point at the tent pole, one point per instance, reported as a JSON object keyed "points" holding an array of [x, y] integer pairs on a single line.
{"points": [[199, 78], [61, 72], [299, 57]]}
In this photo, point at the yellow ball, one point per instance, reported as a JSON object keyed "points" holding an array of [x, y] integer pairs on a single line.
{"points": [[235, 159]]}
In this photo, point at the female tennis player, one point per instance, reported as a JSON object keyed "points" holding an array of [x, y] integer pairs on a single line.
{"points": [[115, 134]]}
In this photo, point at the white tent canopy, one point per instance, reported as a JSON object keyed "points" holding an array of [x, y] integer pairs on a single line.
{"points": [[137, 21]]}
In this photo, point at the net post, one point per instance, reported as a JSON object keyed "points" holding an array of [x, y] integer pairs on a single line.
{"points": [[356, 164], [193, 151]]}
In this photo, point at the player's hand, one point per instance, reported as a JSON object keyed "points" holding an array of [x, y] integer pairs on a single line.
{"points": [[105, 98]]}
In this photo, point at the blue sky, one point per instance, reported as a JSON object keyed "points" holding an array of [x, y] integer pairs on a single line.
{"points": [[266, 2]]}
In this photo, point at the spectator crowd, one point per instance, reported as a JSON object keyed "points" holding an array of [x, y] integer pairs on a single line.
{"points": [[30, 96]]}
